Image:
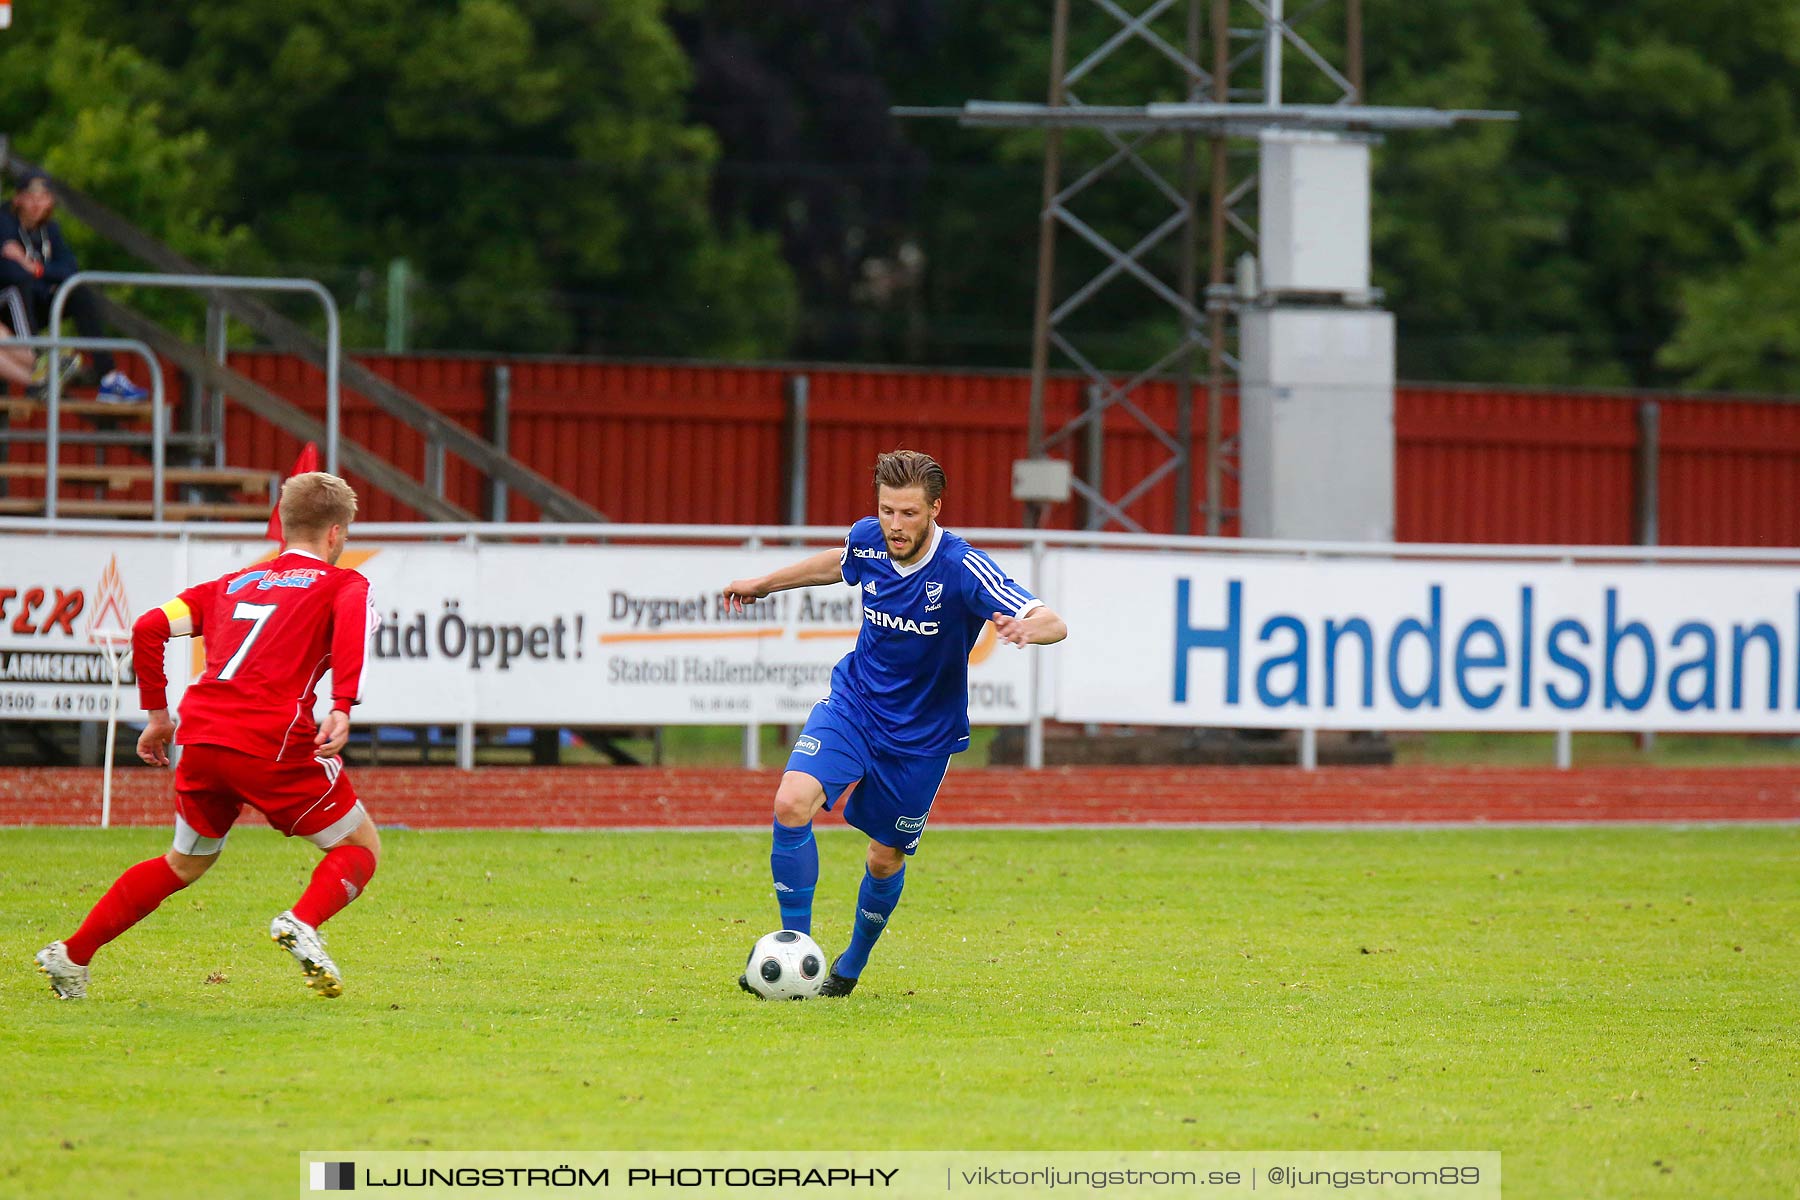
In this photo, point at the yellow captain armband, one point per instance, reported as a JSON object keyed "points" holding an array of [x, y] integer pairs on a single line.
{"points": [[181, 621]]}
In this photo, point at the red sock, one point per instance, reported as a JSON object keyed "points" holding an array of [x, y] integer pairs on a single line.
{"points": [[339, 878], [129, 900]]}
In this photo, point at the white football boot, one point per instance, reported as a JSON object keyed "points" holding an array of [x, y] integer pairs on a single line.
{"points": [[308, 948], [67, 980]]}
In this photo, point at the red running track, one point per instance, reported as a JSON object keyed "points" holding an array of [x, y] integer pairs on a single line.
{"points": [[599, 798]]}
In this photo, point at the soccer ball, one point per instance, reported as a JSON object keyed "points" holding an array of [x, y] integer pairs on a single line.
{"points": [[785, 965]]}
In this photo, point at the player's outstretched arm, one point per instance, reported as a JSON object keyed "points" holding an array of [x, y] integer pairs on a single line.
{"points": [[812, 571], [1039, 627]]}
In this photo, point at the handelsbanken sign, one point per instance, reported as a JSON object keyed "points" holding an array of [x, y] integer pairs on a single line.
{"points": [[1357, 644]]}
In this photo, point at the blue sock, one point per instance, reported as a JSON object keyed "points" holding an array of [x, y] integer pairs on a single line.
{"points": [[875, 903], [794, 861]]}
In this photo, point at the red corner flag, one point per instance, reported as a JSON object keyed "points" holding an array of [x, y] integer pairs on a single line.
{"points": [[308, 461]]}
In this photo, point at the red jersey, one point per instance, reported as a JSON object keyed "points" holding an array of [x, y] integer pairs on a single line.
{"points": [[272, 631]]}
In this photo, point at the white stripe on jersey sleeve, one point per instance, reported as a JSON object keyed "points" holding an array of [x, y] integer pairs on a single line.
{"points": [[990, 573], [994, 584]]}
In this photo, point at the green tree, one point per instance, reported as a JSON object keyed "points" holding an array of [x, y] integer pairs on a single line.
{"points": [[1652, 136], [573, 175], [99, 114], [531, 158], [1740, 329], [798, 94]]}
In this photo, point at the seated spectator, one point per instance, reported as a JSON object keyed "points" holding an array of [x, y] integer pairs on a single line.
{"points": [[36, 259]]}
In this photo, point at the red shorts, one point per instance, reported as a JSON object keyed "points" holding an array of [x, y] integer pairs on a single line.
{"points": [[309, 797]]}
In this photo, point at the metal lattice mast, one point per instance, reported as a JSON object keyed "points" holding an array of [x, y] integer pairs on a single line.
{"points": [[1209, 106], [1131, 154]]}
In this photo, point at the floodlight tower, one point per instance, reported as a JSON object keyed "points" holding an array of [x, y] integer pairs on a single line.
{"points": [[1314, 363]]}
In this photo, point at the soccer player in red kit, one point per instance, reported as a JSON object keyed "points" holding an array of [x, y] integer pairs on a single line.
{"points": [[272, 630]]}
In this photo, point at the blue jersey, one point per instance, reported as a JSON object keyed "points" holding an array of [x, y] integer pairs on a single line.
{"points": [[909, 674]]}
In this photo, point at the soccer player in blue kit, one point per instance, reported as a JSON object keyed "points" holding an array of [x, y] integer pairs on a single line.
{"points": [[899, 702]]}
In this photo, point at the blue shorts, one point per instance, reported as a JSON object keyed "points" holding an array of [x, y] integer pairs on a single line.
{"points": [[893, 796]]}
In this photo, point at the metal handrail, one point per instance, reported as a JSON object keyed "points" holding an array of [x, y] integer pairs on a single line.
{"points": [[159, 420], [211, 283]]}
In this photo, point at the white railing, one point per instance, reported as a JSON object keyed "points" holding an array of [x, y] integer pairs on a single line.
{"points": [[775, 535], [201, 283]]}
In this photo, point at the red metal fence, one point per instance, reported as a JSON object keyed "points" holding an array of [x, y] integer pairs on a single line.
{"points": [[1498, 466], [704, 444], [1482, 464], [695, 443]]}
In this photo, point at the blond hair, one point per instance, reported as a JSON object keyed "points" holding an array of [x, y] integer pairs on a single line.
{"points": [[312, 503], [909, 469]]}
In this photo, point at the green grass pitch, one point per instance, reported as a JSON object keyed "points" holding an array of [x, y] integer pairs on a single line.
{"points": [[1614, 1009]]}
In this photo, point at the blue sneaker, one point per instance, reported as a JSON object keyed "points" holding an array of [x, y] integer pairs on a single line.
{"points": [[116, 388]]}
